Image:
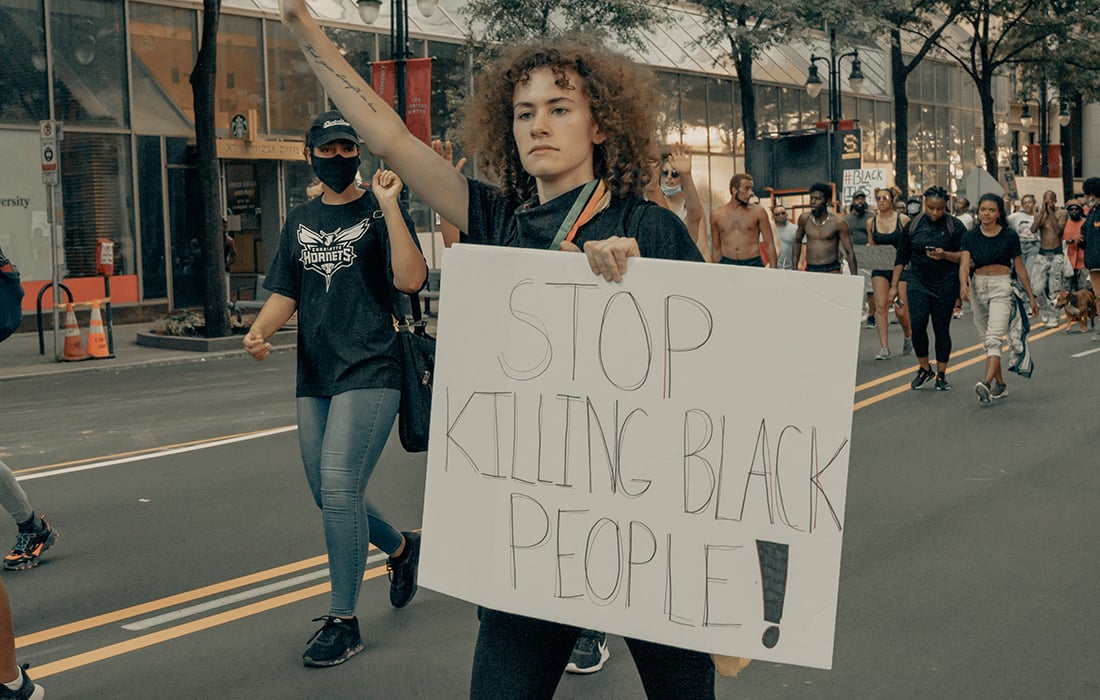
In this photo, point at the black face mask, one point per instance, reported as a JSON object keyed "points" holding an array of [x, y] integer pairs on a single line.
{"points": [[337, 172], [1076, 214]]}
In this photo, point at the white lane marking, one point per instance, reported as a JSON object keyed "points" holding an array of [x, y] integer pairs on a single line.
{"points": [[235, 598], [153, 455], [1086, 352]]}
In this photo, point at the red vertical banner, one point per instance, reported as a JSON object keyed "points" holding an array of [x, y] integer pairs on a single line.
{"points": [[382, 80], [418, 98]]}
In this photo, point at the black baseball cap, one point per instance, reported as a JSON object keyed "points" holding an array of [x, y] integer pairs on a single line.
{"points": [[331, 126]]}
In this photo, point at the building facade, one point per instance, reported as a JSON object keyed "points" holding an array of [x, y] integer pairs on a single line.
{"points": [[114, 75]]}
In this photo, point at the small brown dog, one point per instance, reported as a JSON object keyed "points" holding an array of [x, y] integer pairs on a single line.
{"points": [[1080, 307]]}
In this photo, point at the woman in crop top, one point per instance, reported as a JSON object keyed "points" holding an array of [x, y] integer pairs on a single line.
{"points": [[994, 251], [887, 218]]}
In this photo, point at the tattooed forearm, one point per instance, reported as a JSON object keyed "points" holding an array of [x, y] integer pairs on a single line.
{"points": [[343, 78]]}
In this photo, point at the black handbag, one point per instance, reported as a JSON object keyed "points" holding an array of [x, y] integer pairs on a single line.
{"points": [[417, 350], [11, 298]]}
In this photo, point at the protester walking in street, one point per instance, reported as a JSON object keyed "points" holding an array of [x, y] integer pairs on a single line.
{"points": [[681, 195], [738, 226], [826, 235], [1090, 235], [1071, 238], [340, 257], [930, 245], [35, 534], [20, 687], [1048, 265], [884, 232], [559, 127], [994, 251]]}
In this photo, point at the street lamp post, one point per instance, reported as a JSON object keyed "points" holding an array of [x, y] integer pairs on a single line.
{"points": [[814, 85], [1043, 107], [399, 47]]}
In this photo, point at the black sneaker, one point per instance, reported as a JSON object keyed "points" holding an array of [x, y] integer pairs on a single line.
{"points": [[403, 571], [923, 375], [999, 391], [589, 653], [942, 384], [336, 642], [27, 691], [29, 546]]}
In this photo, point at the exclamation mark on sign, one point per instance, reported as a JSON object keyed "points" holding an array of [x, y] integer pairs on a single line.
{"points": [[773, 579]]}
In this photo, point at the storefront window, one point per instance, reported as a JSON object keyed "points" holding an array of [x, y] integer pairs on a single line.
{"points": [[240, 70], [164, 45], [24, 90], [294, 94], [98, 201], [89, 69], [154, 280]]}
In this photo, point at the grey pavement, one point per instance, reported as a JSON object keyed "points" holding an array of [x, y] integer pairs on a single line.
{"points": [[19, 354]]}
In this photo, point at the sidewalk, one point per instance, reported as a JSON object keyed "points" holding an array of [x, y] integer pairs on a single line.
{"points": [[19, 356]]}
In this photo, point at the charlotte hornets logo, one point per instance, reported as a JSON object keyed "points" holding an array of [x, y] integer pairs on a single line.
{"points": [[325, 253]]}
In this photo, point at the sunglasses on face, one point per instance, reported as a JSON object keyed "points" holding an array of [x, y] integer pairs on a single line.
{"points": [[670, 173], [882, 198]]}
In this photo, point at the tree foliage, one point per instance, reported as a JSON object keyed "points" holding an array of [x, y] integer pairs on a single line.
{"points": [[503, 21], [1000, 34]]}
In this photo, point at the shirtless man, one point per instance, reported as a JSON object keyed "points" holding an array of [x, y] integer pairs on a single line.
{"points": [[1046, 267], [824, 232], [737, 227]]}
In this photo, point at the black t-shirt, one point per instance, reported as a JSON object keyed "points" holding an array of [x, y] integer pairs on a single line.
{"points": [[334, 261], [937, 277], [1090, 235], [1000, 249], [498, 220]]}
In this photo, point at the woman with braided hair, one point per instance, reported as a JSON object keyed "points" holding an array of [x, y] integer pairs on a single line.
{"points": [[930, 246]]}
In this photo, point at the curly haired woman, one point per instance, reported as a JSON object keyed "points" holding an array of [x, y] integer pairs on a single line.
{"points": [[566, 131]]}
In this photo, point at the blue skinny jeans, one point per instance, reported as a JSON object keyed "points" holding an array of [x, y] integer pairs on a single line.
{"points": [[341, 438]]}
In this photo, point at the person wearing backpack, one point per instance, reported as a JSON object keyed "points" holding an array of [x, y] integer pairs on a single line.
{"points": [[930, 245], [11, 298]]}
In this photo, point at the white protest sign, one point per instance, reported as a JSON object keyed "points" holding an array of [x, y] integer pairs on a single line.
{"points": [[664, 458], [865, 180]]}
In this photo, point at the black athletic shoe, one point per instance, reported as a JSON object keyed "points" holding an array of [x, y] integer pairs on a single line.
{"points": [[403, 571], [942, 384], [589, 653], [923, 375], [27, 691], [336, 642]]}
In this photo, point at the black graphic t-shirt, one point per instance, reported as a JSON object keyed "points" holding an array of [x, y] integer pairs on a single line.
{"points": [[497, 220], [334, 260]]}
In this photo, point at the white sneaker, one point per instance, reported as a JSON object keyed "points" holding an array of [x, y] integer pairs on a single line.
{"points": [[982, 390], [1053, 323], [883, 354]]}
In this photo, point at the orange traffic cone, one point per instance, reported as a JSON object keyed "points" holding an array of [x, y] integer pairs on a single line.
{"points": [[97, 338], [74, 347]]}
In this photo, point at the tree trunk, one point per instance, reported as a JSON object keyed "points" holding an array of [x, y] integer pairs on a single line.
{"points": [[899, 77], [743, 60], [989, 124], [203, 77]]}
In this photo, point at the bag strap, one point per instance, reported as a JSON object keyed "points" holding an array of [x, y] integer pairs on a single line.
{"points": [[591, 200]]}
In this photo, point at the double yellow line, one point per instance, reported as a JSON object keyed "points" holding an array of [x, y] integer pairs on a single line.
{"points": [[164, 635], [954, 366]]}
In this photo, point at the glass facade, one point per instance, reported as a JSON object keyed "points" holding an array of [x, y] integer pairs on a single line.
{"points": [[128, 170]]}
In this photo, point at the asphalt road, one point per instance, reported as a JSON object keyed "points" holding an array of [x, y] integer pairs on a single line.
{"points": [[191, 559]]}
